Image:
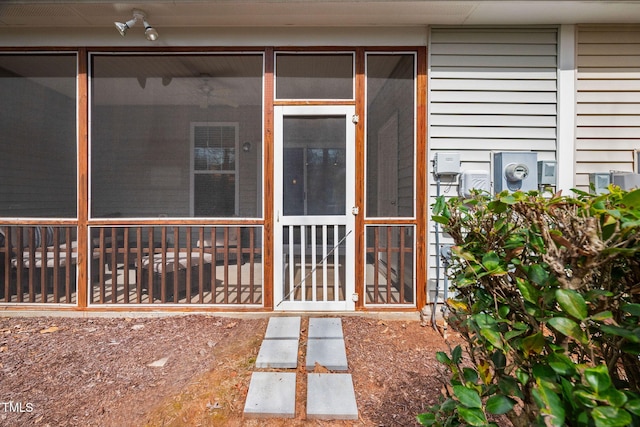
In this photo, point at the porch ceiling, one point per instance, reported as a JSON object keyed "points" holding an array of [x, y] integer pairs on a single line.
{"points": [[245, 13]]}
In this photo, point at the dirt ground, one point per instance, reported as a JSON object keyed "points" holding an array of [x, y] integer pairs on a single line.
{"points": [[96, 371]]}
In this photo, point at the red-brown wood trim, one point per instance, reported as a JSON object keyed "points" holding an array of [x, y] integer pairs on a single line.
{"points": [[83, 178], [389, 221], [42, 309], [132, 222], [40, 221], [178, 49], [421, 180], [315, 49], [360, 171], [41, 49], [268, 177], [343, 49], [319, 102]]}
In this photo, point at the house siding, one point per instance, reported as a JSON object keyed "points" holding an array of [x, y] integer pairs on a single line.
{"points": [[607, 107], [490, 89]]}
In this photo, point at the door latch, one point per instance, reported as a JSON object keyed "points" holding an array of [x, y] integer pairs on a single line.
{"points": [[355, 119], [355, 210]]}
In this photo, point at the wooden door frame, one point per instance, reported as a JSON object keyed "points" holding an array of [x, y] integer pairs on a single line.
{"points": [[421, 208]]}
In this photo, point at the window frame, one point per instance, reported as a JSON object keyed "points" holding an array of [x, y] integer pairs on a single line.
{"points": [[315, 53], [414, 107], [193, 171]]}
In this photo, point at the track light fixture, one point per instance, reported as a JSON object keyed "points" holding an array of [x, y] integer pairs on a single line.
{"points": [[150, 33]]}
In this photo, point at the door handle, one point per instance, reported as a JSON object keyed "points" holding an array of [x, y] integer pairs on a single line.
{"points": [[355, 210]]}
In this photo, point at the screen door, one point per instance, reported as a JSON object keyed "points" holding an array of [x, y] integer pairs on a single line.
{"points": [[314, 207]]}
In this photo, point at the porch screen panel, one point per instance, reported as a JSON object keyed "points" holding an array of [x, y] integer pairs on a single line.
{"points": [[172, 264], [314, 76], [152, 117], [389, 272], [608, 106], [38, 143], [390, 179], [491, 89]]}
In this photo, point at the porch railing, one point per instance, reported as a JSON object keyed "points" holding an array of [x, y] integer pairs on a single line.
{"points": [[133, 264], [177, 264], [389, 273], [38, 264]]}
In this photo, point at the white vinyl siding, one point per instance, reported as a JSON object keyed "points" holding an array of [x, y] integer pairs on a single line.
{"points": [[490, 89], [608, 100]]}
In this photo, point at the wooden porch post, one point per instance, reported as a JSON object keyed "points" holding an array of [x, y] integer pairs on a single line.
{"points": [[268, 180], [82, 281], [422, 210], [360, 171]]}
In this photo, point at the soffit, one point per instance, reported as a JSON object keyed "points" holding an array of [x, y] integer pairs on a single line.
{"points": [[239, 13]]}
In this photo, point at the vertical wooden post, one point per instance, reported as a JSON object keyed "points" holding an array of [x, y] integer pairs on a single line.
{"points": [[421, 180], [268, 180], [360, 170], [83, 282]]}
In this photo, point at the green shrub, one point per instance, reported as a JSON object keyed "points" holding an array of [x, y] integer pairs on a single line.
{"points": [[547, 301]]}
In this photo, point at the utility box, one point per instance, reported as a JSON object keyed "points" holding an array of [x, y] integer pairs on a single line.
{"points": [[599, 182], [626, 180], [547, 172], [446, 163], [474, 180], [515, 170]]}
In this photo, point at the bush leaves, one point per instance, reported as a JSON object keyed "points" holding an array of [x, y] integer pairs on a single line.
{"points": [[572, 303], [545, 296], [569, 328]]}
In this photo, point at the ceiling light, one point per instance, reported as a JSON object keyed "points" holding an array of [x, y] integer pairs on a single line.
{"points": [[123, 27], [150, 33]]}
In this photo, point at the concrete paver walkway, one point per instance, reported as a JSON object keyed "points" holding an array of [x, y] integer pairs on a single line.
{"points": [[280, 346], [330, 396], [329, 353], [271, 394]]}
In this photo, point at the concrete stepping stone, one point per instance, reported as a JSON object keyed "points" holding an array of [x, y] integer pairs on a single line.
{"points": [[279, 349], [278, 354], [320, 327], [271, 394], [283, 328], [329, 353], [331, 397]]}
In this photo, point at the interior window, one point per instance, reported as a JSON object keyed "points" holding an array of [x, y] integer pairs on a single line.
{"points": [[214, 171]]}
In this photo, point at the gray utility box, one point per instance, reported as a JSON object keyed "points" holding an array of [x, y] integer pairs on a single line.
{"points": [[600, 182], [546, 172], [515, 170], [626, 180]]}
